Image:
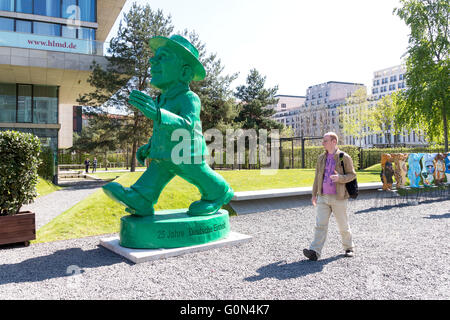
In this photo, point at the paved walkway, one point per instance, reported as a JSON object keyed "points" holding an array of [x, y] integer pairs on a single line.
{"points": [[51, 205], [402, 252]]}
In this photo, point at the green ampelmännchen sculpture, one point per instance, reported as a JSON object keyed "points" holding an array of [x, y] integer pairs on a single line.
{"points": [[175, 113]]}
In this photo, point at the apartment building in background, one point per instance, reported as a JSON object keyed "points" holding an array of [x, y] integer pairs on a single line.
{"points": [[385, 82], [320, 112], [287, 110], [46, 50]]}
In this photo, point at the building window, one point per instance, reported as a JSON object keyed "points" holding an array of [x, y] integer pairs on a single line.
{"points": [[283, 105], [7, 5], [24, 103], [87, 8], [49, 8], [24, 6], [86, 33], [6, 24], [47, 29], [68, 7], [69, 32], [32, 103], [45, 100], [7, 102], [401, 76], [23, 26]]}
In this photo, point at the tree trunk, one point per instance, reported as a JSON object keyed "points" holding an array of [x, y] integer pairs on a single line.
{"points": [[135, 142], [133, 156], [444, 117]]}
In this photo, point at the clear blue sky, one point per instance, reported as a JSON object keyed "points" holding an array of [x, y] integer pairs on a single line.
{"points": [[294, 43]]}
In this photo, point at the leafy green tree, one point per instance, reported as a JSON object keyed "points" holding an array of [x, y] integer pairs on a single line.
{"points": [[219, 107], [354, 116], [128, 69], [427, 77], [254, 99], [385, 121]]}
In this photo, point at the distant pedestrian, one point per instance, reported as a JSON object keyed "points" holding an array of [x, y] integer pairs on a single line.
{"points": [[329, 195], [87, 163], [94, 165]]}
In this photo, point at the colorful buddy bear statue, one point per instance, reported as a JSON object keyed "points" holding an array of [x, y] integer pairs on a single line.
{"points": [[439, 173], [400, 169], [387, 171], [447, 167], [414, 169], [428, 169]]}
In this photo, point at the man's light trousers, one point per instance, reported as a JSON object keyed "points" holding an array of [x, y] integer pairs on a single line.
{"points": [[327, 204]]}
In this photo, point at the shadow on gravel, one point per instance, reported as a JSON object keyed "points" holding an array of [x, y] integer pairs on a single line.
{"points": [[62, 263], [439, 216], [375, 208], [399, 203], [282, 271]]}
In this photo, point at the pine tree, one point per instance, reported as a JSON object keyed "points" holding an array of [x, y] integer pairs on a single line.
{"points": [[255, 98]]}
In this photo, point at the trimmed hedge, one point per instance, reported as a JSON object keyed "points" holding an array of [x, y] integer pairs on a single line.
{"points": [[19, 160], [373, 156], [47, 168]]}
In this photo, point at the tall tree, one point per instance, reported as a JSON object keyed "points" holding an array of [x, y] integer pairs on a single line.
{"points": [[128, 69], [219, 107], [427, 77], [383, 113], [354, 116], [255, 98]]}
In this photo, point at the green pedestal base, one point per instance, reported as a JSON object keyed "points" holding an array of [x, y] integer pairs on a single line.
{"points": [[172, 229]]}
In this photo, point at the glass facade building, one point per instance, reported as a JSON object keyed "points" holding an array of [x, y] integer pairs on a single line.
{"points": [[85, 9], [46, 49]]}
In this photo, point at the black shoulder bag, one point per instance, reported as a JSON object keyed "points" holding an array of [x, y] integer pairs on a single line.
{"points": [[352, 186]]}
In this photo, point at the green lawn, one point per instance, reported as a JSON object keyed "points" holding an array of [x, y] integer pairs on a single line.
{"points": [[97, 214], [44, 187]]}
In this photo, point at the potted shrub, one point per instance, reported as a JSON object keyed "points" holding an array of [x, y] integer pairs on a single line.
{"points": [[19, 161]]}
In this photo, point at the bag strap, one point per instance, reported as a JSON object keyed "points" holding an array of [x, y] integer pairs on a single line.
{"points": [[341, 156]]}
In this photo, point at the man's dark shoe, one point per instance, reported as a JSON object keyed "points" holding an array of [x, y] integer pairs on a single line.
{"points": [[349, 253], [310, 254]]}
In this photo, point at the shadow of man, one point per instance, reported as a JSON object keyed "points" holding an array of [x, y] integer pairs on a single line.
{"points": [[282, 271], [61, 263]]}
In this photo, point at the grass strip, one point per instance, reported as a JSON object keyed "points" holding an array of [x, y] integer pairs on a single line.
{"points": [[98, 214]]}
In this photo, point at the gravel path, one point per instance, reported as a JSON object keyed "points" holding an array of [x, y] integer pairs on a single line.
{"points": [[51, 205], [402, 252]]}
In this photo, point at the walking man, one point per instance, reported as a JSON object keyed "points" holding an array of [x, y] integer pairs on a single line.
{"points": [[329, 195]]}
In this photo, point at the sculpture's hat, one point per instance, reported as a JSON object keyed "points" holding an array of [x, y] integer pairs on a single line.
{"points": [[183, 47]]}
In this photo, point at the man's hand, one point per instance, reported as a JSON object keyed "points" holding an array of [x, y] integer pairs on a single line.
{"points": [[144, 103], [142, 153], [335, 177], [314, 200]]}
